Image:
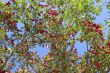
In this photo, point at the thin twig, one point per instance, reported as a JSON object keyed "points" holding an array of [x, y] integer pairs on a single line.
{"points": [[6, 61], [87, 53], [12, 62], [33, 68]]}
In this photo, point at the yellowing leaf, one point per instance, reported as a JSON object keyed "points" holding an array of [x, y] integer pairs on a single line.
{"points": [[2, 34]]}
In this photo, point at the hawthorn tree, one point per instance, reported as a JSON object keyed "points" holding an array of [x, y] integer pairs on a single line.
{"points": [[54, 24]]}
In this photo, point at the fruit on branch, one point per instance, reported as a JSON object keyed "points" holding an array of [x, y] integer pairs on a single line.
{"points": [[98, 64], [14, 1], [53, 12], [12, 23], [108, 44], [7, 3], [2, 71]]}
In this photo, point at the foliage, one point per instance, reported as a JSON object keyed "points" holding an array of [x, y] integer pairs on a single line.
{"points": [[56, 23]]}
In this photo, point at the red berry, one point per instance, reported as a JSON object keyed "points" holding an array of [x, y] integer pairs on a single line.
{"points": [[14, 1], [98, 64], [52, 12], [94, 25], [12, 42], [42, 31], [108, 44], [13, 23], [2, 71], [7, 3], [97, 27]]}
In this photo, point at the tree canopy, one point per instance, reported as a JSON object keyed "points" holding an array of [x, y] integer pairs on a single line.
{"points": [[54, 24]]}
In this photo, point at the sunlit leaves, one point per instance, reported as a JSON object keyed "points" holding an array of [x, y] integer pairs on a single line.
{"points": [[98, 10], [107, 23], [2, 33], [74, 2], [98, 1], [80, 6], [54, 25], [2, 50]]}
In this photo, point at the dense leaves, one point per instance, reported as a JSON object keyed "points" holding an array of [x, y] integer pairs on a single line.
{"points": [[54, 24]]}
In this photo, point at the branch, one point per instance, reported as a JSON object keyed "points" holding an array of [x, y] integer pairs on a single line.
{"points": [[12, 62], [87, 56], [33, 68], [6, 61], [13, 53]]}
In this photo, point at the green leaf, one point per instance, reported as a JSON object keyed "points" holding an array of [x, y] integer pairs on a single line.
{"points": [[98, 1], [77, 69], [30, 15], [2, 34], [80, 7], [23, 1], [105, 42], [83, 27], [75, 2], [75, 27], [108, 5], [2, 50], [98, 10], [108, 23], [74, 19]]}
